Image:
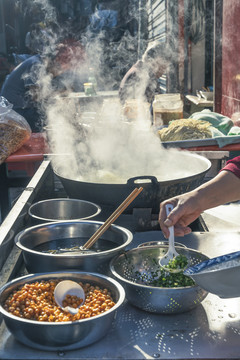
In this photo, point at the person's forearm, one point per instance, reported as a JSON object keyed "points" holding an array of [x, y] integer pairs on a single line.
{"points": [[223, 188]]}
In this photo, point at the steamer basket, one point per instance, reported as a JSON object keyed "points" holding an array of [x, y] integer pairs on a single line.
{"points": [[137, 267]]}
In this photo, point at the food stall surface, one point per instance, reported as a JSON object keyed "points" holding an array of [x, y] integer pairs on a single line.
{"points": [[139, 335], [210, 331]]}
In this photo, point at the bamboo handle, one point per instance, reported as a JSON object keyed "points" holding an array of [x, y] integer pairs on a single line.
{"points": [[112, 218]]}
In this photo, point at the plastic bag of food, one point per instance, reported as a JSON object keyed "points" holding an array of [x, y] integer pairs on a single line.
{"points": [[14, 130]]}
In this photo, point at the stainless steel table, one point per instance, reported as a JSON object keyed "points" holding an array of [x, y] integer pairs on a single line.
{"points": [[210, 331]]}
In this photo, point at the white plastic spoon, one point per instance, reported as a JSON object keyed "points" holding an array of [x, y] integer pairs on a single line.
{"points": [[68, 287], [171, 253]]}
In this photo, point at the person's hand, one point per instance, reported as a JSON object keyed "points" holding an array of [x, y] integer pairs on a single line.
{"points": [[186, 210], [223, 188]]}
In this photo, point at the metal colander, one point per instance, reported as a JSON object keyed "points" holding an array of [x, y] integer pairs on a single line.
{"points": [[138, 267]]}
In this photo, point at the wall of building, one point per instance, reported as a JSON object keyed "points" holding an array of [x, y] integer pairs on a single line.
{"points": [[198, 66], [195, 35], [230, 102], [163, 27]]}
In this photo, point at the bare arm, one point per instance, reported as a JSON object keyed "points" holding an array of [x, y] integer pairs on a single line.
{"points": [[223, 188]]}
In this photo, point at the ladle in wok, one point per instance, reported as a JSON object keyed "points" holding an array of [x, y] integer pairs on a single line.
{"points": [[68, 287], [171, 253]]}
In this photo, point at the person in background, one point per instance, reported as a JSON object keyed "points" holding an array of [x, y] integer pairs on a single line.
{"points": [[142, 79], [77, 75], [223, 188], [36, 38], [23, 87], [6, 66]]}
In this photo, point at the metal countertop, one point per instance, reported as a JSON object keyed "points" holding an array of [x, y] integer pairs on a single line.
{"points": [[210, 331]]}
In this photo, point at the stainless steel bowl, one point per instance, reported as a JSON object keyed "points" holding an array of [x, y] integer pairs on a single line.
{"points": [[34, 241], [160, 243], [63, 209], [65, 335], [137, 264], [218, 275]]}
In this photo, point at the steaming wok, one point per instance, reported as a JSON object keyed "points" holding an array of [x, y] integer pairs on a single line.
{"points": [[154, 191]]}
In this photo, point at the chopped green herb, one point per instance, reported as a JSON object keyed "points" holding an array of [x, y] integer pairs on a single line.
{"points": [[161, 278], [171, 280], [178, 262]]}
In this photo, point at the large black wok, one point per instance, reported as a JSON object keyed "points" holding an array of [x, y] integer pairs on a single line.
{"points": [[153, 193]]}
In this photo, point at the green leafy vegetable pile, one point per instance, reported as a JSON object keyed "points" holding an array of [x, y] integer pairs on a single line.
{"points": [[178, 262], [162, 278]]}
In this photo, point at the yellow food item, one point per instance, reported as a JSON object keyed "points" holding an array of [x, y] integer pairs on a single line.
{"points": [[35, 301], [186, 129]]}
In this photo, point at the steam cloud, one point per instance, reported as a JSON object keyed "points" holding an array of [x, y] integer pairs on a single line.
{"points": [[98, 138]]}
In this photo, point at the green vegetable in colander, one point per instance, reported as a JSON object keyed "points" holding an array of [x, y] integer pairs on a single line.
{"points": [[178, 262], [161, 278], [171, 280]]}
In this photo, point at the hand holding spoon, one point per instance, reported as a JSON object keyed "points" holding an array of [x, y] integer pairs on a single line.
{"points": [[166, 261]]}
